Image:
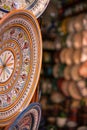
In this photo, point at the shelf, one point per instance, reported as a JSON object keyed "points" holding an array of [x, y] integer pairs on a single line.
{"points": [[72, 3], [70, 11]]}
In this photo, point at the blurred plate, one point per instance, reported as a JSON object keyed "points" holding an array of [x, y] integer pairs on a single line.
{"points": [[69, 56], [77, 40], [75, 73], [82, 87], [64, 88], [74, 91], [69, 40], [62, 54], [77, 56], [20, 62], [67, 72], [82, 128], [36, 6], [84, 54], [83, 69], [78, 23], [57, 97], [84, 38]]}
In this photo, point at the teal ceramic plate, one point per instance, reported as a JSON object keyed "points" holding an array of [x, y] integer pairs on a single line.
{"points": [[29, 119]]}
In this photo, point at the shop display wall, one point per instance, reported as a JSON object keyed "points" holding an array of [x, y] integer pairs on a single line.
{"points": [[63, 77]]}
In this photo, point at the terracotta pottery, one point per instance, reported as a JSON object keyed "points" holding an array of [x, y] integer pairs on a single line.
{"points": [[78, 23], [77, 40], [69, 42], [70, 25], [67, 72], [74, 91], [64, 88], [75, 73], [84, 54], [77, 56], [84, 38], [62, 55], [85, 21], [68, 56], [83, 69], [82, 87]]}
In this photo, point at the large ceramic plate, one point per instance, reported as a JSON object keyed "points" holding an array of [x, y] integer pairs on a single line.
{"points": [[36, 6], [20, 62], [29, 119]]}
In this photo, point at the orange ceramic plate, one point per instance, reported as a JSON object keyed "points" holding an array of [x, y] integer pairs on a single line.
{"points": [[20, 62], [74, 91]]}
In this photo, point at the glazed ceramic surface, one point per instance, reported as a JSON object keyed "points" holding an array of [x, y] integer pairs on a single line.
{"points": [[29, 119], [20, 62], [36, 6]]}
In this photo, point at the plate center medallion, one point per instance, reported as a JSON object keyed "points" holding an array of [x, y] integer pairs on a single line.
{"points": [[6, 65]]}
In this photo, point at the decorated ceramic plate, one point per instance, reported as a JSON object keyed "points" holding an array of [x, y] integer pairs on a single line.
{"points": [[20, 62], [36, 6], [29, 119]]}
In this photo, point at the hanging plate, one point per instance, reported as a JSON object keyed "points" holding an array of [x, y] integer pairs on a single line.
{"points": [[36, 6], [29, 119], [20, 62]]}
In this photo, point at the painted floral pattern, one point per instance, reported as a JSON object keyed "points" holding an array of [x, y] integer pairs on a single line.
{"points": [[29, 119], [20, 63], [36, 6], [14, 50]]}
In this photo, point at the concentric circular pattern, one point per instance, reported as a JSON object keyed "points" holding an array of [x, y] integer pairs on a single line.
{"points": [[10, 63], [6, 65], [28, 119], [20, 62], [36, 6]]}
